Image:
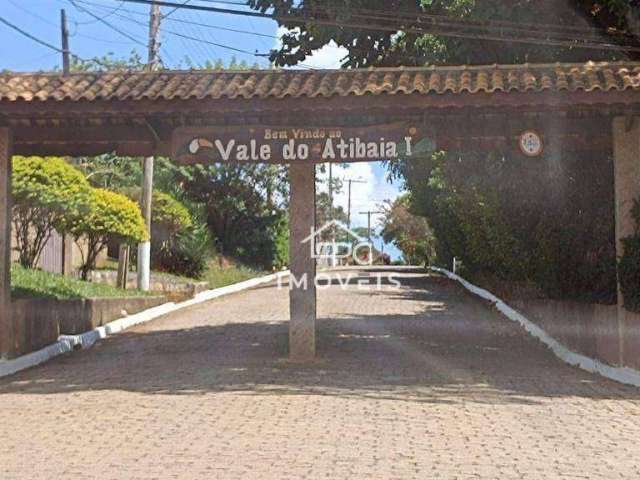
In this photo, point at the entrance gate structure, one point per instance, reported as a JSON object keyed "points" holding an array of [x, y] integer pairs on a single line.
{"points": [[305, 117]]}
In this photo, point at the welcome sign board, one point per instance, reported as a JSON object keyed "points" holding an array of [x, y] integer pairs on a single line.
{"points": [[293, 144]]}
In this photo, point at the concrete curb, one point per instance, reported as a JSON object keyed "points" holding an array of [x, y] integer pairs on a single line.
{"points": [[67, 343], [625, 375]]}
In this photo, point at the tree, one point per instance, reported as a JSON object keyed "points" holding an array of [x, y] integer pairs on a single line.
{"points": [[168, 215], [505, 218], [410, 233], [48, 194], [245, 207], [110, 171], [110, 215], [394, 46]]}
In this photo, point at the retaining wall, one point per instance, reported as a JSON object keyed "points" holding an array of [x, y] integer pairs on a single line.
{"points": [[174, 288], [585, 328], [41, 321]]}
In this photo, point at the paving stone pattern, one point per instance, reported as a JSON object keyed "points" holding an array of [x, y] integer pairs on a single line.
{"points": [[420, 382]]}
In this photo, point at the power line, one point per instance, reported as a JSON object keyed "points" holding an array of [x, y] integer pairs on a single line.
{"points": [[187, 22], [112, 12], [112, 27], [197, 33], [48, 22], [200, 40], [546, 27], [30, 36], [167, 15], [205, 25], [215, 44], [395, 15], [434, 29], [192, 37], [44, 42]]}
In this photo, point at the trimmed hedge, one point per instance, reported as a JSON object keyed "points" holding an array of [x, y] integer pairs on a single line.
{"points": [[48, 194], [110, 216]]}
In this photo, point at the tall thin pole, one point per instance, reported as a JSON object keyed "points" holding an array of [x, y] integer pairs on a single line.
{"points": [[144, 249], [330, 193], [350, 181], [64, 31], [66, 262], [333, 230], [368, 213], [154, 29], [349, 206]]}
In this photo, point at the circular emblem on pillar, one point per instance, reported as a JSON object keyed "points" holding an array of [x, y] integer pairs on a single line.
{"points": [[530, 143]]}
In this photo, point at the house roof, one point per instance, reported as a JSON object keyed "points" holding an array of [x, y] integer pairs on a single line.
{"points": [[280, 84]]}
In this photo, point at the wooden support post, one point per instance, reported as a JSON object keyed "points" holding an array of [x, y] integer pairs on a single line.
{"points": [[8, 335], [302, 293], [123, 267], [626, 149], [67, 255]]}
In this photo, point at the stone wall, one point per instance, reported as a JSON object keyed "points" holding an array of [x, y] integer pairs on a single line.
{"points": [[41, 321]]}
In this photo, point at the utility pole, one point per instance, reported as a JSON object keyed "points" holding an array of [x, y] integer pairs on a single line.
{"points": [[66, 262], [144, 249], [350, 181], [368, 213], [154, 30], [64, 31], [330, 192], [333, 230]]}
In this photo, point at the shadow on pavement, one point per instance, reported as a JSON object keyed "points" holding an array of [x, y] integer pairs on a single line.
{"points": [[454, 350]]}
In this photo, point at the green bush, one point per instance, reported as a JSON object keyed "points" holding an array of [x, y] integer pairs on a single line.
{"points": [[547, 222], [168, 215], [189, 254], [48, 194], [110, 216], [281, 257]]}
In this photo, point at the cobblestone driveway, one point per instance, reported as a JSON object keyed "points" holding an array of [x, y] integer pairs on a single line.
{"points": [[422, 382]]}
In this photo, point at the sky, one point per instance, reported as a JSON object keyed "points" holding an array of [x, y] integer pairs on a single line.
{"points": [[182, 43]]}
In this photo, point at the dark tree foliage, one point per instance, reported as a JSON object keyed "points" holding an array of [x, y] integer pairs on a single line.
{"points": [[244, 205], [547, 222], [604, 19]]}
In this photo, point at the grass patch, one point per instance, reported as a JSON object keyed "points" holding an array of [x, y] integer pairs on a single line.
{"points": [[217, 276], [27, 283]]}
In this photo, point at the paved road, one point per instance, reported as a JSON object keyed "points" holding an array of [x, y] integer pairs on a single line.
{"points": [[419, 382]]}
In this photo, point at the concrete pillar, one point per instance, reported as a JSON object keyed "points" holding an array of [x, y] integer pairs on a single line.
{"points": [[302, 293], [626, 150], [144, 248], [8, 337]]}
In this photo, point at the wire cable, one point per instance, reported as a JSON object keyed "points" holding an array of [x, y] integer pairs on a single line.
{"points": [[112, 27], [204, 54], [44, 43], [419, 29]]}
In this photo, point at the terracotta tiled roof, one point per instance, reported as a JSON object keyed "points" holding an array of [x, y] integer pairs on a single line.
{"points": [[265, 84]]}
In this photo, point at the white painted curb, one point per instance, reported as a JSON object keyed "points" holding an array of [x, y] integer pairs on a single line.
{"points": [[67, 343], [625, 375]]}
